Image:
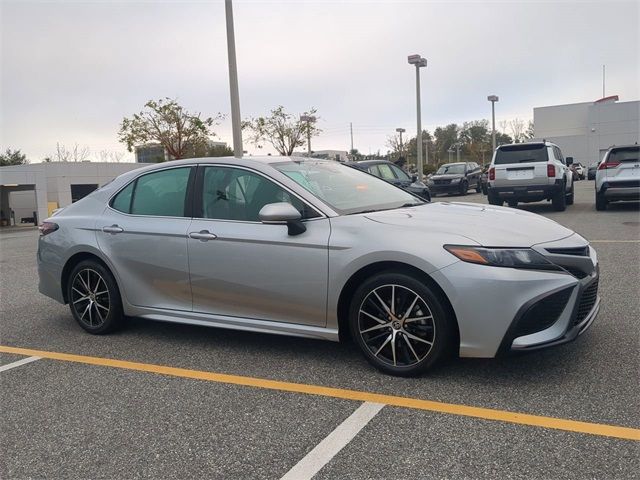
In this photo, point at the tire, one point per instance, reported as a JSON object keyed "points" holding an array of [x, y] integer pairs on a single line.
{"points": [[389, 342], [571, 194], [513, 203], [601, 202], [464, 187], [559, 200], [494, 199], [94, 298], [478, 187], [485, 190]]}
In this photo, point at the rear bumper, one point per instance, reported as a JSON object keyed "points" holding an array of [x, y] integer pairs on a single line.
{"points": [[527, 192], [625, 190]]}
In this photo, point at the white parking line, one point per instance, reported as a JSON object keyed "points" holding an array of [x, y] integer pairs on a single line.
{"points": [[333, 443], [24, 361]]}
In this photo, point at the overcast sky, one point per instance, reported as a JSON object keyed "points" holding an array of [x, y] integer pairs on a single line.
{"points": [[71, 70]]}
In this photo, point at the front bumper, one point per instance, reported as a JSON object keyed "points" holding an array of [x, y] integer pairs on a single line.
{"points": [[445, 188]]}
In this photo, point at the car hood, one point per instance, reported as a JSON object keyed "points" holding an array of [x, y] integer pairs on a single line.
{"points": [[486, 225]]}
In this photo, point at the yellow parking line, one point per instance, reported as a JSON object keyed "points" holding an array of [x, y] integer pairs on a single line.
{"points": [[396, 401]]}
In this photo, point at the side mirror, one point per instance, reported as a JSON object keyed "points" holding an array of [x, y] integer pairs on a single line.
{"points": [[569, 160], [414, 178], [282, 213]]}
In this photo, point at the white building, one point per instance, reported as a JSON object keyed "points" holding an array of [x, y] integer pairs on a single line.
{"points": [[585, 131], [43, 187], [338, 155]]}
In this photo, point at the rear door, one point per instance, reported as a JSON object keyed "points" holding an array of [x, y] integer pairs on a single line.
{"points": [[521, 165], [143, 233]]}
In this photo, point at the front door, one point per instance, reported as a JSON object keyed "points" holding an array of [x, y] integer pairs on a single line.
{"points": [[143, 233], [241, 267]]}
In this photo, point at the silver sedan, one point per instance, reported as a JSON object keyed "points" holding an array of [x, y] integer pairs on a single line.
{"points": [[317, 249]]}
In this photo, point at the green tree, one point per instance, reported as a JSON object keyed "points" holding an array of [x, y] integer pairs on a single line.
{"points": [[166, 122], [12, 157], [206, 150], [445, 138], [284, 131]]}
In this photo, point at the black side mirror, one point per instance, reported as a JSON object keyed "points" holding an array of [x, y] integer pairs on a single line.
{"points": [[569, 160], [414, 178]]}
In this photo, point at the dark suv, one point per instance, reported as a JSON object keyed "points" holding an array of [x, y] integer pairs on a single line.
{"points": [[456, 178], [393, 174]]}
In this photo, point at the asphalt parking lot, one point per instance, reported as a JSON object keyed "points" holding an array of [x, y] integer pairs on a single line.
{"points": [[83, 415]]}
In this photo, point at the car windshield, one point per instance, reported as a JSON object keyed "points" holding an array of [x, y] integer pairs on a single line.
{"points": [[451, 169], [524, 153], [346, 190]]}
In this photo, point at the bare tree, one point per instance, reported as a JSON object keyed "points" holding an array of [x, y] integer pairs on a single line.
{"points": [[517, 128], [75, 154], [116, 156], [503, 125], [104, 155]]}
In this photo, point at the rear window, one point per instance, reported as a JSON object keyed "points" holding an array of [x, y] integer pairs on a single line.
{"points": [[521, 154], [627, 154]]}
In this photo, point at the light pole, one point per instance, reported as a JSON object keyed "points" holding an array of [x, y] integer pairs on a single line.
{"points": [[419, 62], [450, 151], [233, 81], [493, 99], [400, 131], [458, 152], [309, 119]]}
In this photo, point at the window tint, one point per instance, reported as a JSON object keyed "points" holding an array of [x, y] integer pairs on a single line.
{"points": [[122, 202], [523, 153], [236, 194], [386, 172], [373, 170], [401, 174], [161, 193]]}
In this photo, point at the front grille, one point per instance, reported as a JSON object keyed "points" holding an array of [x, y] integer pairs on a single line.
{"points": [[543, 313], [587, 301], [576, 272], [442, 182], [577, 251]]}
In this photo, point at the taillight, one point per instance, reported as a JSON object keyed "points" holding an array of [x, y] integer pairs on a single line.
{"points": [[492, 173], [551, 170], [47, 227], [605, 165]]}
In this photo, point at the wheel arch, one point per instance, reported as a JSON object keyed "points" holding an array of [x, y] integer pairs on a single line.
{"points": [[367, 271], [74, 260]]}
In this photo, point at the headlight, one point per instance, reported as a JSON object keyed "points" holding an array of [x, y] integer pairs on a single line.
{"points": [[501, 257], [455, 180]]}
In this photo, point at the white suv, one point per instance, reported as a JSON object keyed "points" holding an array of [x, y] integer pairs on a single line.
{"points": [[618, 176], [530, 172]]}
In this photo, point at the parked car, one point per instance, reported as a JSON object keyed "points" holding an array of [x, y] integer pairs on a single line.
{"points": [[317, 249], [618, 176], [484, 180], [455, 178], [579, 169], [395, 175], [591, 172], [530, 172]]}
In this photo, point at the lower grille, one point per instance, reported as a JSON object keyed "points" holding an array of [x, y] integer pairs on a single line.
{"points": [[576, 272], [587, 301], [543, 313]]}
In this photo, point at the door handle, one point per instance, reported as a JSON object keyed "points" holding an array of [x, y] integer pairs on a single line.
{"points": [[113, 229], [203, 235]]}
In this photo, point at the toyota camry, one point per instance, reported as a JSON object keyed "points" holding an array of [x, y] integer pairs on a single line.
{"points": [[316, 249]]}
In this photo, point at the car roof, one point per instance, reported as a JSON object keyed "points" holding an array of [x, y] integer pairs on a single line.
{"points": [[370, 162], [546, 143], [454, 163]]}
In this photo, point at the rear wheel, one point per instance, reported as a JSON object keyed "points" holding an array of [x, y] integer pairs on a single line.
{"points": [[601, 202], [94, 298], [559, 200], [399, 324]]}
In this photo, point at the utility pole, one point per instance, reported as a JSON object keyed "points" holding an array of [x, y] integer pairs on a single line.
{"points": [[603, 76], [419, 62], [351, 131], [233, 81]]}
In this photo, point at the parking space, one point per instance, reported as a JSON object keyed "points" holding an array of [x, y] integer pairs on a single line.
{"points": [[70, 419]]}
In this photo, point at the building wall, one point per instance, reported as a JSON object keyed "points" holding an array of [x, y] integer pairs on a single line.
{"points": [[585, 131]]}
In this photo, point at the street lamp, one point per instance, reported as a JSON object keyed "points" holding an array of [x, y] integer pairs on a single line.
{"points": [[400, 131], [493, 99], [309, 119], [419, 62]]}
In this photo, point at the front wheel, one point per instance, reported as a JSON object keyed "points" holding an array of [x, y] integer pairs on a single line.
{"points": [[94, 298], [399, 324], [464, 187], [571, 195]]}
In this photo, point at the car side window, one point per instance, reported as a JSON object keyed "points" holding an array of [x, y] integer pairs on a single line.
{"points": [[373, 170], [401, 174], [385, 172], [238, 194], [160, 193]]}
